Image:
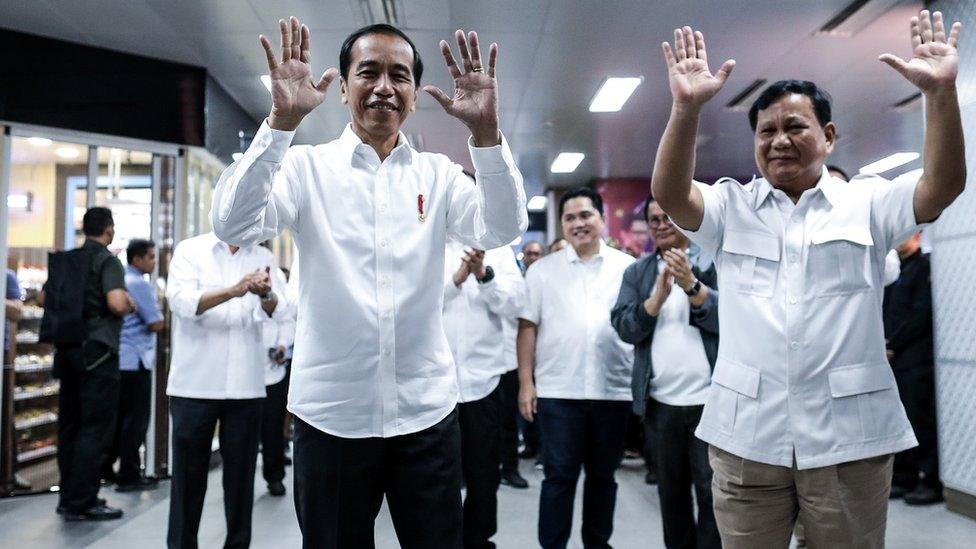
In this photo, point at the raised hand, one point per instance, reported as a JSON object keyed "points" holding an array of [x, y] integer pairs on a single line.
{"points": [[692, 84], [935, 61], [293, 92], [475, 100]]}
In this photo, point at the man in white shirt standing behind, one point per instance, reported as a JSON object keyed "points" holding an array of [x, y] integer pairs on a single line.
{"points": [[803, 414], [482, 289], [575, 372], [374, 387], [219, 296]]}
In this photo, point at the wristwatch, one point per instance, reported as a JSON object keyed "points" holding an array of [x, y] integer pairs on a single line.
{"points": [[695, 288], [489, 275], [267, 297]]}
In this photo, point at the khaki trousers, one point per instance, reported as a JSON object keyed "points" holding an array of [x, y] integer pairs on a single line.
{"points": [[757, 505]]}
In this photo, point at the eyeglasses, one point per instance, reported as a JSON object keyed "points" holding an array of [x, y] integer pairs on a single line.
{"points": [[655, 221]]}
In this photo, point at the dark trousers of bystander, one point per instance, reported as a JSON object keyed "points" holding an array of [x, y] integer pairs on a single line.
{"points": [[479, 422], [587, 435], [916, 386], [340, 484], [88, 403], [273, 431], [194, 422], [135, 397], [508, 422], [682, 464]]}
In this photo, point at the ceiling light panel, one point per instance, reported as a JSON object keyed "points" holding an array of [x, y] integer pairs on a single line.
{"points": [[614, 92], [889, 162], [566, 162]]}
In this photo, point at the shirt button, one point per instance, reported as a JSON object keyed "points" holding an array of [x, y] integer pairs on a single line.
{"points": [[386, 352], [382, 207], [384, 243], [795, 390], [793, 300], [385, 281], [794, 345]]}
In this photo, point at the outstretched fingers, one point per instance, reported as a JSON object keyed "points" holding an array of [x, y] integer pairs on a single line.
{"points": [[954, 33], [916, 33], [725, 70], [493, 56], [925, 25], [452, 65], [690, 42], [306, 50], [668, 54], [285, 40], [938, 27], [296, 38], [679, 45], [475, 50], [327, 77], [269, 52], [463, 49], [439, 96], [700, 46], [895, 62]]}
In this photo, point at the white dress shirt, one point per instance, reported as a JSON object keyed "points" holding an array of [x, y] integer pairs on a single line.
{"points": [[578, 354], [801, 366], [681, 371], [279, 332], [371, 358], [474, 318], [218, 354]]}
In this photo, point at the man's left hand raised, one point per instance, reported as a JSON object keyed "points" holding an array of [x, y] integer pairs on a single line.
{"points": [[475, 101]]}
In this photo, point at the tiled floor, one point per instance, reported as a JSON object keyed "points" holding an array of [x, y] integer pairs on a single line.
{"points": [[30, 522]]}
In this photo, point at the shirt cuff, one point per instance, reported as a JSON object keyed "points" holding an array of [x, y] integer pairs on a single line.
{"points": [[491, 160], [270, 144]]}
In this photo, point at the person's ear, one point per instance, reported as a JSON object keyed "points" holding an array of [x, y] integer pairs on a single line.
{"points": [[830, 134], [343, 90]]}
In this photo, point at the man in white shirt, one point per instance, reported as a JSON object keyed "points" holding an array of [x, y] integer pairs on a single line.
{"points": [[279, 341], [373, 386], [574, 372], [668, 309], [803, 414], [219, 296], [481, 289]]}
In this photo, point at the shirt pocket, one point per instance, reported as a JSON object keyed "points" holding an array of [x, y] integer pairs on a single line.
{"points": [[840, 261], [755, 258], [864, 403], [733, 400]]}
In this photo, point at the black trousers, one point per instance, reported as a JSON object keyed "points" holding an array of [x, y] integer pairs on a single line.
{"points": [[273, 431], [479, 421], [194, 421], [682, 465], [88, 403], [508, 421], [135, 399], [580, 434], [916, 385], [340, 484]]}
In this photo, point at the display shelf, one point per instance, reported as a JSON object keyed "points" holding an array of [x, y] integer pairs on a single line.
{"points": [[39, 392], [44, 418], [31, 367], [27, 338], [37, 453]]}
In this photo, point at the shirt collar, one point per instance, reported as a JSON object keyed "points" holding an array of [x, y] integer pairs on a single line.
{"points": [[350, 144], [573, 257], [827, 185], [131, 269]]}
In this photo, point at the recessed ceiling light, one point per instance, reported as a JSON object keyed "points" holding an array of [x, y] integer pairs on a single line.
{"points": [[537, 203], [39, 141], [614, 93], [890, 162], [237, 156], [566, 162], [266, 80], [67, 152]]}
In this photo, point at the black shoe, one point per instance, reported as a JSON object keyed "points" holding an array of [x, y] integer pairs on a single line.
{"points": [[924, 495], [287, 460], [898, 491], [276, 489], [650, 478], [98, 512], [98, 502], [514, 479], [142, 484]]}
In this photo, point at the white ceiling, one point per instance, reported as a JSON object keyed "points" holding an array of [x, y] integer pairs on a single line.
{"points": [[553, 55]]}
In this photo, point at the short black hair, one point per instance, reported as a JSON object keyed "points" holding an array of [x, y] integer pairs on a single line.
{"points": [[818, 97], [97, 220], [581, 192], [647, 205], [345, 54], [835, 168], [138, 247]]}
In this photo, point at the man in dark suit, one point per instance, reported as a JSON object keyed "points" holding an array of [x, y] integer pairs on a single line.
{"points": [[908, 331], [668, 309]]}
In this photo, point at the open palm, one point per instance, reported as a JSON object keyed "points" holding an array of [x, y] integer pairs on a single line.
{"points": [[293, 92], [692, 83], [935, 62]]}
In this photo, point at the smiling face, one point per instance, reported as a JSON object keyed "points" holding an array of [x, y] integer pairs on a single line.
{"points": [[379, 88], [791, 145], [666, 236], [582, 223]]}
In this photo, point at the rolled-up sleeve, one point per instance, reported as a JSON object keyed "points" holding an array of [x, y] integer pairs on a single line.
{"points": [[629, 318], [183, 288], [491, 213], [532, 309], [893, 210], [257, 196], [709, 233]]}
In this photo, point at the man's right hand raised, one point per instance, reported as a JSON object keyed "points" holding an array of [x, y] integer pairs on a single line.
{"points": [[692, 84], [293, 92]]}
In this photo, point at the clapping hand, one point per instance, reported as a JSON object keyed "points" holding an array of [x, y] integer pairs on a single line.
{"points": [[692, 83], [935, 61], [475, 100], [260, 282], [293, 92], [680, 268]]}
